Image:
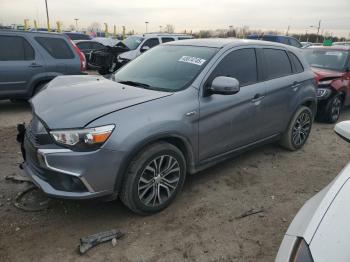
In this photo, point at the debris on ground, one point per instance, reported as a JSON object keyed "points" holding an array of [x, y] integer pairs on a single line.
{"points": [[32, 199], [250, 212], [114, 242], [91, 241], [17, 178]]}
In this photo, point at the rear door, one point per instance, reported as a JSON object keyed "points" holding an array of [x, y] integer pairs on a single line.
{"points": [[280, 84], [18, 64], [59, 55], [228, 122]]}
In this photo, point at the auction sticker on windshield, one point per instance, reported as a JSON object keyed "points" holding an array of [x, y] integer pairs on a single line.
{"points": [[192, 60]]}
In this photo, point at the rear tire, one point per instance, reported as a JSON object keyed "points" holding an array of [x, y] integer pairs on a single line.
{"points": [[154, 178], [298, 129], [330, 112]]}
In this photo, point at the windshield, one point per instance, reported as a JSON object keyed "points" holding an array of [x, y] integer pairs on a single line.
{"points": [[166, 68], [132, 42], [328, 59]]}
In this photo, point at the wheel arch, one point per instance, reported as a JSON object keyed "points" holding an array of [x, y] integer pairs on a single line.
{"points": [[178, 141], [39, 79]]}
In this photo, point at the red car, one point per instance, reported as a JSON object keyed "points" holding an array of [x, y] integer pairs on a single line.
{"points": [[331, 65]]}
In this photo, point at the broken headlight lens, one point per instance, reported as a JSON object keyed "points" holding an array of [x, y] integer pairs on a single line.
{"points": [[83, 139]]}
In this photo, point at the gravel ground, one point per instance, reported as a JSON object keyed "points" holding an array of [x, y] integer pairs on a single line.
{"points": [[201, 225]]}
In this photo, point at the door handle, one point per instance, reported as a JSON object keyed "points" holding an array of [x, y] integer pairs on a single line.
{"points": [[257, 98], [35, 65], [296, 85]]}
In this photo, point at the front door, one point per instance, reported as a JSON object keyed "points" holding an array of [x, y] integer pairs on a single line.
{"points": [[228, 122]]}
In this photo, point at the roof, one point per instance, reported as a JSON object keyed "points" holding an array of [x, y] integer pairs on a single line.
{"points": [[224, 42], [270, 35], [28, 32], [333, 47]]}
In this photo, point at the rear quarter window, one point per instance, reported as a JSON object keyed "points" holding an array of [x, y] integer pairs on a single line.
{"points": [[277, 63], [167, 39], [298, 66], [56, 47]]}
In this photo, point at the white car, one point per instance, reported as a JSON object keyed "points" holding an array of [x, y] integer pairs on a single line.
{"points": [[138, 44], [320, 232]]}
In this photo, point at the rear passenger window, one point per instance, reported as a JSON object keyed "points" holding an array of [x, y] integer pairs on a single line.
{"points": [[84, 45], [15, 48], [56, 47], [277, 63], [298, 67], [167, 39], [97, 46], [294, 42], [240, 64]]}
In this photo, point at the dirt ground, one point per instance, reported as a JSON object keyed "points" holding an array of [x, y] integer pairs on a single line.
{"points": [[201, 224]]}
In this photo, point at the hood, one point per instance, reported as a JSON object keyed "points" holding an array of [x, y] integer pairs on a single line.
{"points": [[326, 74], [74, 101]]}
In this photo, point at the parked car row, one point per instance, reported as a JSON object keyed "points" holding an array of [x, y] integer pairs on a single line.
{"points": [[108, 61]]}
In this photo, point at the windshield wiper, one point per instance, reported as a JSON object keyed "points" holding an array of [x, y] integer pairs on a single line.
{"points": [[133, 83]]}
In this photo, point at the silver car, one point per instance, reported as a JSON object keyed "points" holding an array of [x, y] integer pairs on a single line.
{"points": [[175, 110], [320, 231]]}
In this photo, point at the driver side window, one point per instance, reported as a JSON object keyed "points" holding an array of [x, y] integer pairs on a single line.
{"points": [[240, 64]]}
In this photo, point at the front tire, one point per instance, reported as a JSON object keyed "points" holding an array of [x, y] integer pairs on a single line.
{"points": [[330, 112], [154, 178], [298, 130]]}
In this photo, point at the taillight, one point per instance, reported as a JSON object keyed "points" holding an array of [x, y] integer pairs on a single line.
{"points": [[81, 56]]}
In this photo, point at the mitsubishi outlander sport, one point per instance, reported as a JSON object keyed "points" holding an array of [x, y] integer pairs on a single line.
{"points": [[175, 110]]}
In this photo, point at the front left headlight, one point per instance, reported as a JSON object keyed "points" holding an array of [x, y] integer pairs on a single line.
{"points": [[83, 139]]}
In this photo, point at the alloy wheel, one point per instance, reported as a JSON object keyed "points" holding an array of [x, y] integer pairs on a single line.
{"points": [[301, 129], [159, 180], [335, 109]]}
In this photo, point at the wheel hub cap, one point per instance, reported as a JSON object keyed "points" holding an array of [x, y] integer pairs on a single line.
{"points": [[159, 180]]}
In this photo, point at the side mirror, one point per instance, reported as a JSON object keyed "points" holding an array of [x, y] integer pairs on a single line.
{"points": [[223, 85], [342, 129], [145, 48]]}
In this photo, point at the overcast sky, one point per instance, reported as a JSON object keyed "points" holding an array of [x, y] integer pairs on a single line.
{"points": [[186, 14]]}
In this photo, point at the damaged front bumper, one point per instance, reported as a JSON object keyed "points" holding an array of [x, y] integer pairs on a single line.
{"points": [[64, 173]]}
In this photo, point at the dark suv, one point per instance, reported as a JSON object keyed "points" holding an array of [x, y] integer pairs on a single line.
{"points": [[283, 39], [28, 60]]}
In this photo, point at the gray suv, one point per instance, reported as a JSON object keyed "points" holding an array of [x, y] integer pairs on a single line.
{"points": [[175, 110], [28, 60]]}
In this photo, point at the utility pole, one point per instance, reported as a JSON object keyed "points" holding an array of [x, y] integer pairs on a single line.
{"points": [[318, 30], [146, 26], [76, 24], [287, 30], [47, 17]]}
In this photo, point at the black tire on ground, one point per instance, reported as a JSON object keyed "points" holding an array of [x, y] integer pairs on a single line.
{"points": [[144, 189], [39, 87], [330, 111], [298, 129]]}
